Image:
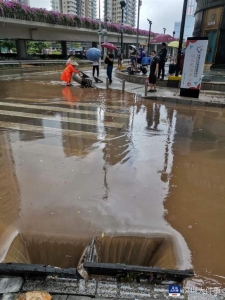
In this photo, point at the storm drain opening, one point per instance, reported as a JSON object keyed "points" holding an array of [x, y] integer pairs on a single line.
{"points": [[124, 257], [34, 248], [152, 259], [133, 250]]}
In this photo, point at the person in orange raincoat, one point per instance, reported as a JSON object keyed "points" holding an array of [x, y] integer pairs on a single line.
{"points": [[68, 72]]}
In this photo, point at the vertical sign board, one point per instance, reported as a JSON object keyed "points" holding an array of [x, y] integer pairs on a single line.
{"points": [[194, 61]]}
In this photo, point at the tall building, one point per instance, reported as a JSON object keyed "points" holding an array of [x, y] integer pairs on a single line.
{"points": [[209, 21], [112, 10], [80, 7], [189, 22], [85, 8], [91, 9], [26, 2]]}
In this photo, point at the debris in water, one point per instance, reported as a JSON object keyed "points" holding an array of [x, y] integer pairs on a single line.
{"points": [[190, 226], [78, 212]]}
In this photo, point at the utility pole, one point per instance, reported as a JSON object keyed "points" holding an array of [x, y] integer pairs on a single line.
{"points": [[99, 37], [181, 35], [122, 4], [105, 24], [138, 21], [164, 30]]}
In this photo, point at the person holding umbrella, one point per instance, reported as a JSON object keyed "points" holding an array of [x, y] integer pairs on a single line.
{"points": [[162, 60], [94, 54], [109, 59]]}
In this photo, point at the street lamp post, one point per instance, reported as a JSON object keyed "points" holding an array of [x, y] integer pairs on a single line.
{"points": [[99, 37], [181, 35], [174, 33], [138, 21], [122, 4], [105, 24], [149, 35], [164, 30]]}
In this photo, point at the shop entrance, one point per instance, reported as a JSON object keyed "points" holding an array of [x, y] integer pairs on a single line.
{"points": [[212, 35]]}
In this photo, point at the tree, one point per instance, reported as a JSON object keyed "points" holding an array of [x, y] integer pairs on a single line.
{"points": [[37, 47], [9, 44]]}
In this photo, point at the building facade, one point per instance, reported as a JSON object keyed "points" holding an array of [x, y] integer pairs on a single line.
{"points": [[112, 10], [26, 2], [189, 22], [91, 9], [84, 8], [210, 22]]}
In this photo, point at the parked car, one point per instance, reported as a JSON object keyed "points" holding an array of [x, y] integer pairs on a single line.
{"points": [[79, 53]]}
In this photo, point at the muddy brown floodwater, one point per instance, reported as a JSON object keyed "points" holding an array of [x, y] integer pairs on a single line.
{"points": [[76, 163]]}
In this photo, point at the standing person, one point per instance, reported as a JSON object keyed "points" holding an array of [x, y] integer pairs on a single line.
{"points": [[153, 72], [109, 61], [141, 55], [95, 67], [162, 60], [68, 72], [132, 56]]}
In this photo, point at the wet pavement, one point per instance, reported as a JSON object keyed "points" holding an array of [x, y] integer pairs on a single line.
{"points": [[76, 163], [215, 75]]}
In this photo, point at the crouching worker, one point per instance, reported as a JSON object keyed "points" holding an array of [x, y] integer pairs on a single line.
{"points": [[68, 72]]}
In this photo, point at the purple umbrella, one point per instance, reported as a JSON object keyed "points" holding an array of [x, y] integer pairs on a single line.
{"points": [[162, 38]]}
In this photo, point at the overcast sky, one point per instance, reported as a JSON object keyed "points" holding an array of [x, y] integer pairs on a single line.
{"points": [[162, 13]]}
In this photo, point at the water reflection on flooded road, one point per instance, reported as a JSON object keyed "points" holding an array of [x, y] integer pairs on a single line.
{"points": [[76, 163]]}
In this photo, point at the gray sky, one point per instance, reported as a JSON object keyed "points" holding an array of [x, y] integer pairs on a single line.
{"points": [[163, 13]]}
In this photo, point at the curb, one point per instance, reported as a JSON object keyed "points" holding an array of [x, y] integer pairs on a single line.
{"points": [[205, 86], [187, 101]]}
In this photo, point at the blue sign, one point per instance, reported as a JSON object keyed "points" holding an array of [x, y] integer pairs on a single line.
{"points": [[174, 290]]}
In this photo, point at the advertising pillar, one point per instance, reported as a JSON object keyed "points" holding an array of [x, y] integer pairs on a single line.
{"points": [[194, 61]]}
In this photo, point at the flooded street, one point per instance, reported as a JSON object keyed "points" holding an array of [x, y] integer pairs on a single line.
{"points": [[76, 163]]}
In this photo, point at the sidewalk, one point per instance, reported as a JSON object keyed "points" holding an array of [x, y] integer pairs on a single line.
{"points": [[211, 98], [206, 98], [73, 289]]}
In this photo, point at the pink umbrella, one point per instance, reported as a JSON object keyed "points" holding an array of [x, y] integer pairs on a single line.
{"points": [[162, 38], [109, 46]]}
